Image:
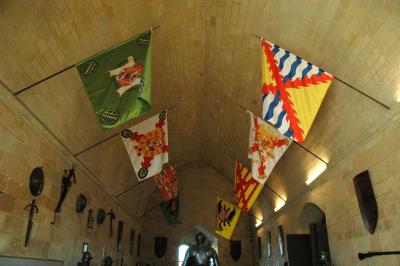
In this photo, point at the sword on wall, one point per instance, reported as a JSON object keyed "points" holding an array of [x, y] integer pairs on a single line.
{"points": [[369, 254], [33, 209]]}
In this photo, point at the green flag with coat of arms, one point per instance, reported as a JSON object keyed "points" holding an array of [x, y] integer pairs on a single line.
{"points": [[118, 81]]}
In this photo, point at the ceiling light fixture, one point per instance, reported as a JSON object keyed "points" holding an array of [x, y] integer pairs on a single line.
{"points": [[398, 98], [279, 204], [316, 172]]}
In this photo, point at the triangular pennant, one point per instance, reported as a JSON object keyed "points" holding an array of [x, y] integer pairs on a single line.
{"points": [[167, 183], [147, 145], [293, 90], [266, 147], [118, 81], [227, 217], [247, 188]]}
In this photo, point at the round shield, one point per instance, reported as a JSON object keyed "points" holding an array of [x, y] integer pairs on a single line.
{"points": [[36, 181], [101, 216], [126, 133], [109, 117], [81, 203], [142, 173], [163, 115]]}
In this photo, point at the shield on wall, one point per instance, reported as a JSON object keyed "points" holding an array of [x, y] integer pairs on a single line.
{"points": [[366, 200], [160, 246], [236, 249], [131, 242], [36, 181], [120, 234]]}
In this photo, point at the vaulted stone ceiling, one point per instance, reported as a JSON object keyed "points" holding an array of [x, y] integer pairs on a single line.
{"points": [[206, 63]]}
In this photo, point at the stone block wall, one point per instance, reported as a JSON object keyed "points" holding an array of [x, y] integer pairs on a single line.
{"points": [[334, 193], [198, 185], [21, 150]]}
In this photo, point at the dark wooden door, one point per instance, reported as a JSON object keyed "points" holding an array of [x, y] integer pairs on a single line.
{"points": [[299, 250], [319, 242]]}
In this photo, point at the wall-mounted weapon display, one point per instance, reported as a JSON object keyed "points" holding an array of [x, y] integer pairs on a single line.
{"points": [[112, 217], [131, 242], [81, 203], [33, 208], [90, 221], [119, 235], [36, 181], [108, 261], [369, 254], [66, 183], [366, 200], [101, 216]]}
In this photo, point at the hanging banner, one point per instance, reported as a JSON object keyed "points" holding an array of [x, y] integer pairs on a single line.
{"points": [[171, 209], [227, 217], [266, 147], [147, 145], [118, 81], [167, 183], [247, 188], [292, 91]]}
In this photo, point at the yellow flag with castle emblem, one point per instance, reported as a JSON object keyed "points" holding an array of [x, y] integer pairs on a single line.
{"points": [[227, 217]]}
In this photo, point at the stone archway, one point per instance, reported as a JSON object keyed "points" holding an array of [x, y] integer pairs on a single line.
{"points": [[311, 213]]}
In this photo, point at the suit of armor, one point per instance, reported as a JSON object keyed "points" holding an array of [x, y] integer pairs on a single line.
{"points": [[201, 254]]}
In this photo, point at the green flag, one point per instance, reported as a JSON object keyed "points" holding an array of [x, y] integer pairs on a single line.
{"points": [[118, 81]]}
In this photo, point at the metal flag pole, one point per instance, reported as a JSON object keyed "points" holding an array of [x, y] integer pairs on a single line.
{"points": [[57, 73], [345, 83], [110, 137], [299, 145]]}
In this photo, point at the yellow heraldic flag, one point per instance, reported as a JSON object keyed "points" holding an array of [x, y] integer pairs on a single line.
{"points": [[247, 188], [293, 90], [227, 217]]}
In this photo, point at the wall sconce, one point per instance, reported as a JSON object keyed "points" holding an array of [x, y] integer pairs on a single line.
{"points": [[316, 172], [279, 204]]}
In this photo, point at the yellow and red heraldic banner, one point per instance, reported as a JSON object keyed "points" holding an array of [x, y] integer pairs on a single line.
{"points": [[167, 183], [247, 188], [227, 217], [147, 145], [292, 92], [266, 147]]}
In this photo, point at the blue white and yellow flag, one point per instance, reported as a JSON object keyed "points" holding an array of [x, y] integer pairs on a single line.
{"points": [[293, 90]]}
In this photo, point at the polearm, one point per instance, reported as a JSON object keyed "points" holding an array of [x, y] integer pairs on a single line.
{"points": [[369, 254], [65, 185], [33, 209], [112, 217]]}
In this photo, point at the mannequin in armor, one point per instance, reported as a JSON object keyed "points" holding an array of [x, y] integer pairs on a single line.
{"points": [[200, 254]]}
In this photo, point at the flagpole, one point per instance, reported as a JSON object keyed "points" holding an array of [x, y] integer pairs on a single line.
{"points": [[57, 73], [301, 146], [345, 83], [110, 137]]}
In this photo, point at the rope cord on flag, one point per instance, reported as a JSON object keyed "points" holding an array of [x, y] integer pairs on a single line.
{"points": [[345, 83], [298, 144]]}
